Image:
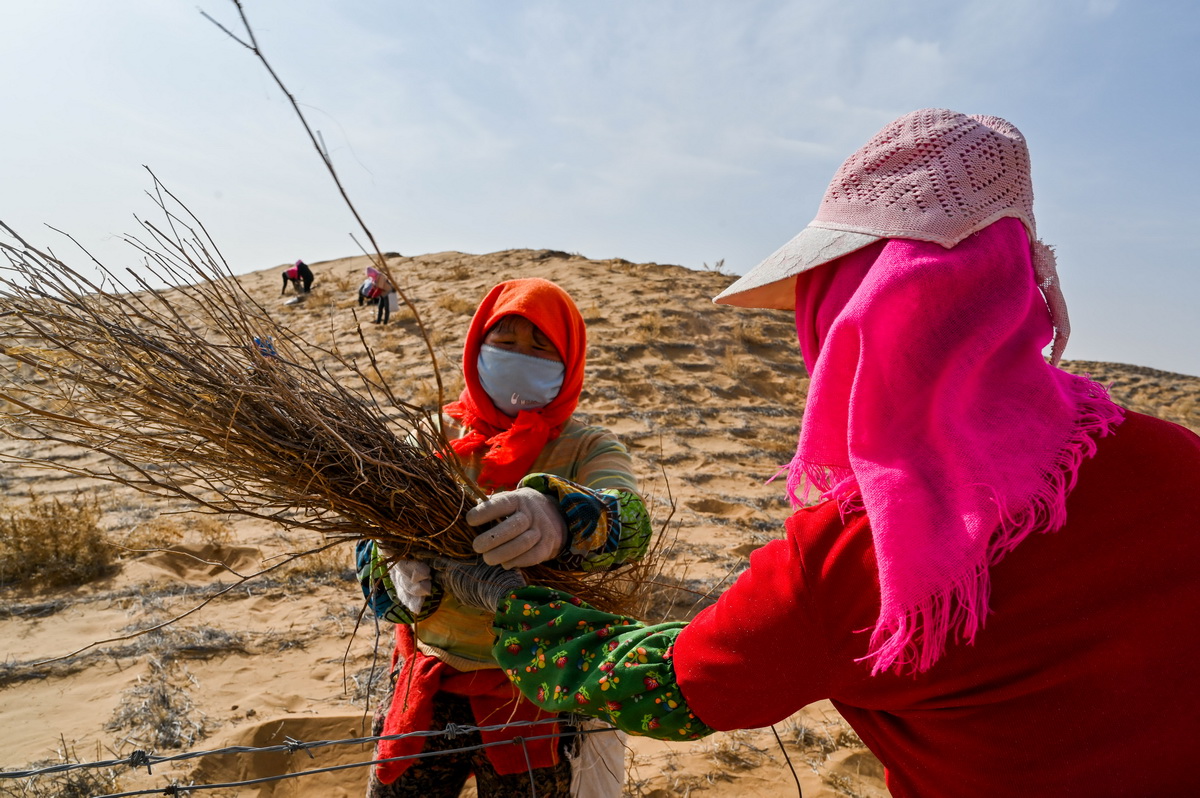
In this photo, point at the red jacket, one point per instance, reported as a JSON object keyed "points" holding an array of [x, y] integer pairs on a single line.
{"points": [[1085, 681]]}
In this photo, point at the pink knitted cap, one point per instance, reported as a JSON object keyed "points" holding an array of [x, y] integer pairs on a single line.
{"points": [[931, 175]]}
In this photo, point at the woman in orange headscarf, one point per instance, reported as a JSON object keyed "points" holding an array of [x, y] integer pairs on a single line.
{"points": [[566, 494]]}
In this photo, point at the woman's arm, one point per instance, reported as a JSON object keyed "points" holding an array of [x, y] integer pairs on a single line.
{"points": [[567, 656]]}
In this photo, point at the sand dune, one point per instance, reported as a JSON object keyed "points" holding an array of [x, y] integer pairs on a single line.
{"points": [[708, 399]]}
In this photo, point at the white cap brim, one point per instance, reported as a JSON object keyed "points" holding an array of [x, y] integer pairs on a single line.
{"points": [[771, 284]]}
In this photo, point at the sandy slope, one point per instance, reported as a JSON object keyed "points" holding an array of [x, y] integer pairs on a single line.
{"points": [[707, 398]]}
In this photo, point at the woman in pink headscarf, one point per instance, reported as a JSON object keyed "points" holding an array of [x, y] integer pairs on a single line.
{"points": [[999, 569]]}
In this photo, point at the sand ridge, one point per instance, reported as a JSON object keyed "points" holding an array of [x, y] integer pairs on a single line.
{"points": [[708, 399]]}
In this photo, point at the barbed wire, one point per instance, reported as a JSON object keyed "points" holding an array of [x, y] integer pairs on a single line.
{"points": [[180, 789], [139, 759]]}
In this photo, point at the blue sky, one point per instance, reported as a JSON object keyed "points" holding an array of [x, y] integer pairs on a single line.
{"points": [[675, 131]]}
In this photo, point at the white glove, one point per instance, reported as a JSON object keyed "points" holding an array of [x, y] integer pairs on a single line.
{"points": [[533, 531], [413, 580]]}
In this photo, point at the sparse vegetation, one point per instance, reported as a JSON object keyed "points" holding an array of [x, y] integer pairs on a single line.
{"points": [[55, 541], [158, 533], [456, 304], [157, 713], [332, 565], [734, 751], [79, 783]]}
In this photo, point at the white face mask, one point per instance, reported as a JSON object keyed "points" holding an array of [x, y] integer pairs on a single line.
{"points": [[516, 382]]}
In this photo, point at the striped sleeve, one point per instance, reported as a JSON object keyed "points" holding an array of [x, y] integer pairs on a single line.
{"points": [[605, 463]]}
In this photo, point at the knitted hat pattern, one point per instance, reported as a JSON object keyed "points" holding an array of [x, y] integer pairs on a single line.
{"points": [[932, 175]]}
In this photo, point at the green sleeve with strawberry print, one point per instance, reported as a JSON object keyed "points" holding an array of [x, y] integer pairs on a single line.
{"points": [[566, 656]]}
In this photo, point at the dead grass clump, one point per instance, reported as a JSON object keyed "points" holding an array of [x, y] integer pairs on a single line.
{"points": [[369, 685], [750, 334], [157, 533], [422, 396], [327, 566], [818, 741], [649, 329], [79, 783], [53, 541], [736, 364], [734, 751], [212, 529], [456, 304], [172, 642], [345, 283], [826, 736], [592, 314], [157, 713]]}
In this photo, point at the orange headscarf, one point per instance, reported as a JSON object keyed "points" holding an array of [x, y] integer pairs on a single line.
{"points": [[510, 445]]}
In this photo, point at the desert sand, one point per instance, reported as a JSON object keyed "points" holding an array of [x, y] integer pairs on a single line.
{"points": [[707, 398]]}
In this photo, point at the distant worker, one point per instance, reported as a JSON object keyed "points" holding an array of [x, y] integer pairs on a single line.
{"points": [[377, 290], [300, 276]]}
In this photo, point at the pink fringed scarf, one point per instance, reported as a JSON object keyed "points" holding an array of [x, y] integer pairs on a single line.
{"points": [[932, 408]]}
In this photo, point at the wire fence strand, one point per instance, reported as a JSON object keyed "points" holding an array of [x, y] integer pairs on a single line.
{"points": [[139, 759], [180, 789]]}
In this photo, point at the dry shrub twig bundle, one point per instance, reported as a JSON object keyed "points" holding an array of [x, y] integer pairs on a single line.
{"points": [[196, 392]]}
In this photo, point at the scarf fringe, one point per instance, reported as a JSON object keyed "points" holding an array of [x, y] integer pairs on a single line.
{"points": [[831, 482], [916, 639]]}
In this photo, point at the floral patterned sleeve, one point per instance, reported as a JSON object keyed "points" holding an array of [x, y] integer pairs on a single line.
{"points": [[566, 656], [605, 528]]}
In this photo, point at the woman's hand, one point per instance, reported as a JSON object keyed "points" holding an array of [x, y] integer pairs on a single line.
{"points": [[413, 580], [533, 529]]}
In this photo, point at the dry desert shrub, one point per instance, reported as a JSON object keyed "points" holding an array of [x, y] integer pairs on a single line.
{"points": [[734, 751], [457, 271], [750, 334], [322, 566], [53, 541], [735, 364], [456, 304], [367, 686], [157, 533], [157, 712], [212, 529], [592, 314], [345, 283], [79, 783], [649, 329]]}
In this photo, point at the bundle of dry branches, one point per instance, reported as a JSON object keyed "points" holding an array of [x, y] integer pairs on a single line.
{"points": [[197, 392]]}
